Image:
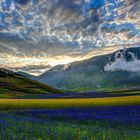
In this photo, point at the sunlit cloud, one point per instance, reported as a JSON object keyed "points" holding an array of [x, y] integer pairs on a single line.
{"points": [[38, 65], [52, 32]]}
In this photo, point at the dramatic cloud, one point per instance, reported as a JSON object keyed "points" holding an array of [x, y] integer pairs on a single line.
{"points": [[72, 22], [34, 69], [45, 30]]}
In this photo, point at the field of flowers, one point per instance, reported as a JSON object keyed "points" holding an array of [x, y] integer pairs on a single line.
{"points": [[92, 123], [68, 103]]}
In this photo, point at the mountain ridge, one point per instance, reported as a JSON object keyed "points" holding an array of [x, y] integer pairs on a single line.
{"points": [[90, 74]]}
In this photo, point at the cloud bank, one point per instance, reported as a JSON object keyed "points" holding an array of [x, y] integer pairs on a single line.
{"points": [[121, 63], [73, 23]]}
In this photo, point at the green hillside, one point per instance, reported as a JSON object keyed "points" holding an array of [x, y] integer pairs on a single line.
{"points": [[12, 83], [89, 74]]}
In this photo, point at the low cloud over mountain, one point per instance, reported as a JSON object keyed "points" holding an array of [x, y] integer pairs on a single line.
{"points": [[122, 64]]}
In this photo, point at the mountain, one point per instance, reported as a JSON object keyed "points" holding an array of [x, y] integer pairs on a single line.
{"points": [[118, 69], [27, 75], [13, 83]]}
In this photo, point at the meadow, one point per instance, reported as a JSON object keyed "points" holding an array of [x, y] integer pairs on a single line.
{"points": [[113, 115], [17, 85], [88, 123]]}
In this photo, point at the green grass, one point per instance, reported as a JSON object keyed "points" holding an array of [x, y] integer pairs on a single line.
{"points": [[14, 84], [133, 92], [3, 90], [18, 127], [67, 103], [127, 90], [63, 131], [118, 89]]}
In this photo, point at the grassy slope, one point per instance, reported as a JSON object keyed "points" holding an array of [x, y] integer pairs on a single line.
{"points": [[124, 90], [68, 103], [89, 75], [15, 84]]}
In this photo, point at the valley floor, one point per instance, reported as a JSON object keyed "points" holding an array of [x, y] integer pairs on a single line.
{"points": [[68, 103], [72, 116], [121, 92], [89, 123]]}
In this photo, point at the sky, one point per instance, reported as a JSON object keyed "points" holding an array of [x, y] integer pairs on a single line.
{"points": [[36, 35]]}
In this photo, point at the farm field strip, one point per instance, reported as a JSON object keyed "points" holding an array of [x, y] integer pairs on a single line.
{"points": [[68, 103]]}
